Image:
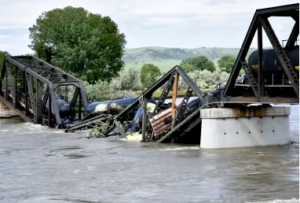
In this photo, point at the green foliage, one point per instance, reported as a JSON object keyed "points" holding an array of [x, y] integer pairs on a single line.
{"points": [[101, 91], [128, 79], [149, 74], [85, 44], [204, 79], [226, 63], [3, 54], [223, 78], [197, 63], [98, 92]]}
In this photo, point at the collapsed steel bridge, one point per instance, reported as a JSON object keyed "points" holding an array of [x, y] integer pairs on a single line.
{"points": [[177, 123], [31, 86], [172, 123], [33, 79]]}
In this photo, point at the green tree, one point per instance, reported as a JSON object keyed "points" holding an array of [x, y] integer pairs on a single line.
{"points": [[3, 54], [128, 79], [149, 74], [197, 63], [88, 45], [226, 63]]}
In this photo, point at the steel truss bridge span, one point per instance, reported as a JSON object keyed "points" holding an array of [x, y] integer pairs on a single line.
{"points": [[35, 90]]}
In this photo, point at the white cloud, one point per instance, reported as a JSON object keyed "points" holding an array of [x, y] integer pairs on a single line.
{"points": [[172, 23]]}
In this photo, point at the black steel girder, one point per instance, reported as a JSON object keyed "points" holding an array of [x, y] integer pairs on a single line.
{"points": [[260, 17], [33, 82]]}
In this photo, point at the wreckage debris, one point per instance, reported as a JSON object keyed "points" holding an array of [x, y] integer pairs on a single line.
{"points": [[128, 118]]}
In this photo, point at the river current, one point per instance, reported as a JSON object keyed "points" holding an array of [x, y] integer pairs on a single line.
{"points": [[42, 165]]}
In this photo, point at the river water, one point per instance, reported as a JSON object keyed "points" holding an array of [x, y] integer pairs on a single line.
{"points": [[41, 165]]}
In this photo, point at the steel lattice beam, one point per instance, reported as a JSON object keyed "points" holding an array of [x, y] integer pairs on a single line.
{"points": [[35, 76]]}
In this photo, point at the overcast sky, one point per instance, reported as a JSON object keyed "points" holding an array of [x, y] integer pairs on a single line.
{"points": [[164, 23]]}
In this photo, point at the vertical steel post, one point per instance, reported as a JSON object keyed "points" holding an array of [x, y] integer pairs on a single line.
{"points": [[36, 100], [260, 60], [174, 96], [49, 110], [15, 85], [54, 104], [79, 110], [144, 125], [26, 94], [6, 81], [83, 94]]}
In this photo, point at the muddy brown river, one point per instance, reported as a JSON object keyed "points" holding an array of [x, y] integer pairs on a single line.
{"points": [[42, 165]]}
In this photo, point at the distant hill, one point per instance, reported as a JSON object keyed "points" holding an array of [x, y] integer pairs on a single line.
{"points": [[166, 58]]}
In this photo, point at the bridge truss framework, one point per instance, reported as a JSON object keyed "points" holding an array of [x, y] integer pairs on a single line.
{"points": [[261, 92], [31, 86]]}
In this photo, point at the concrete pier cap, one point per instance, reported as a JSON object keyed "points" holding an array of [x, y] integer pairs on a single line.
{"points": [[245, 127]]}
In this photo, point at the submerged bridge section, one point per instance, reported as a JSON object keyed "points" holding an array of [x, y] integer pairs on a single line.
{"points": [[42, 93], [267, 79], [39, 92]]}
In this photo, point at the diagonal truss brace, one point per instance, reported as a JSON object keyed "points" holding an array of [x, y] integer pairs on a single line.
{"points": [[182, 107], [165, 93], [252, 80], [284, 60]]}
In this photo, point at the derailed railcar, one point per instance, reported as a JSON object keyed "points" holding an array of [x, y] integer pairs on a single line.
{"points": [[161, 121]]}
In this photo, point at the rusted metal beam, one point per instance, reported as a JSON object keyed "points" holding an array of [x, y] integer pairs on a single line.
{"points": [[174, 96], [268, 100]]}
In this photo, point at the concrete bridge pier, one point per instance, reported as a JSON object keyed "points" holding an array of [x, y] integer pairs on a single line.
{"points": [[6, 112], [245, 127]]}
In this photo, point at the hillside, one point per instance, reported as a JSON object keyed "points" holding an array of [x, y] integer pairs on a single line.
{"points": [[166, 58]]}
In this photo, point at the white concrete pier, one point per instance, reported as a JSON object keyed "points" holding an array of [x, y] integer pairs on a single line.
{"points": [[246, 127]]}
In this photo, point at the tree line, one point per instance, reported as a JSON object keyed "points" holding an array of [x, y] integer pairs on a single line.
{"points": [[130, 81]]}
